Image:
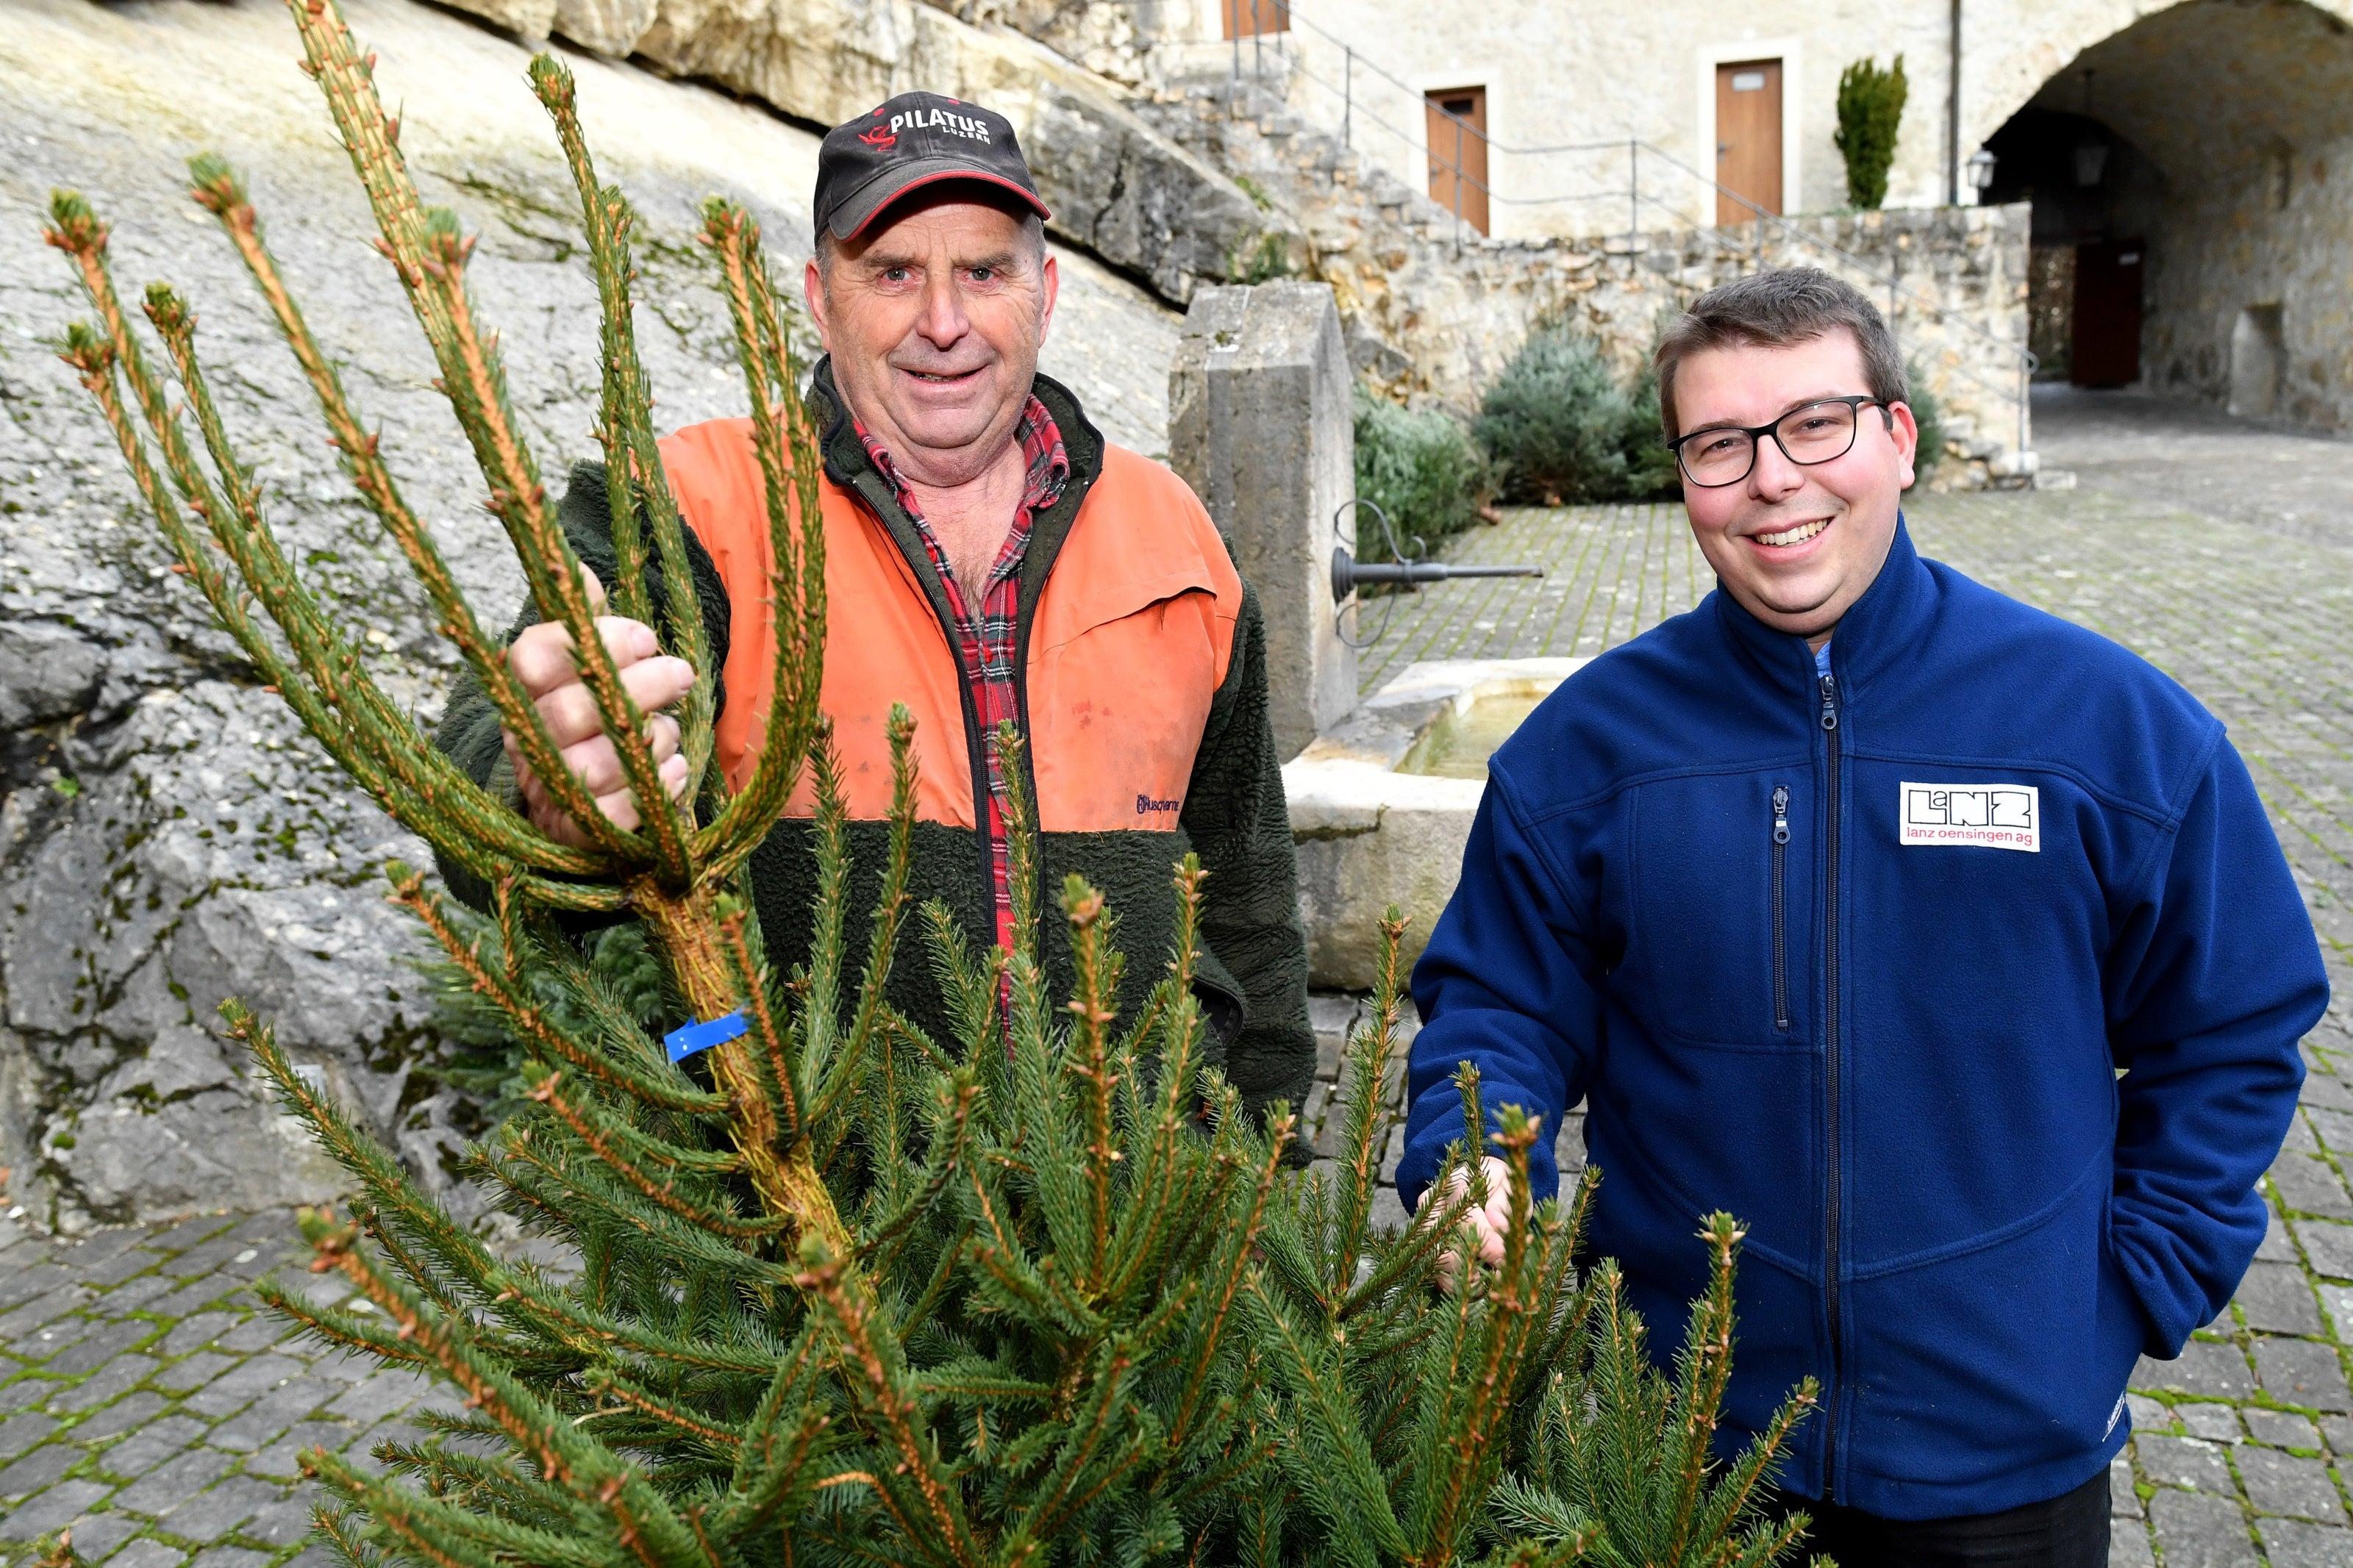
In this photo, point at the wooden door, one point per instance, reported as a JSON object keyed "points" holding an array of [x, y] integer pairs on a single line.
{"points": [[1747, 140], [2107, 347], [1249, 18], [1458, 152]]}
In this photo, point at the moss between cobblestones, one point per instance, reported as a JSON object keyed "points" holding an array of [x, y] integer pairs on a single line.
{"points": [[147, 1400]]}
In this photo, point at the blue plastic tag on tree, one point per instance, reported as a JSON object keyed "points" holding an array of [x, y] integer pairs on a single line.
{"points": [[688, 1039]]}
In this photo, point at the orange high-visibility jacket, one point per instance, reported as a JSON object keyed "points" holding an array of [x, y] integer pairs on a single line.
{"points": [[1143, 695]]}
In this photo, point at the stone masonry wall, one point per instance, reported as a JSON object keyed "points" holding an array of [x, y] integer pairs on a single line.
{"points": [[1434, 311]]}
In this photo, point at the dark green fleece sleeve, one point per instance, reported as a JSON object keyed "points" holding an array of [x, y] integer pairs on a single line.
{"points": [[1235, 816], [468, 731]]}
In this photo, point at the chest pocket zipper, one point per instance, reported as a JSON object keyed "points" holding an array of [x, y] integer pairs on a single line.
{"points": [[1781, 938]]}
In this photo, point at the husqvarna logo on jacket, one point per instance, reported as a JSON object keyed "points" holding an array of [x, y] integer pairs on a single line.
{"points": [[1146, 804], [1990, 816]]}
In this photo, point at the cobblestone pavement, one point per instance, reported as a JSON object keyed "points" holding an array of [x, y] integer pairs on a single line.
{"points": [[146, 1399]]}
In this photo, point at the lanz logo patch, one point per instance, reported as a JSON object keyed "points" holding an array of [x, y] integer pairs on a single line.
{"points": [[1990, 816]]}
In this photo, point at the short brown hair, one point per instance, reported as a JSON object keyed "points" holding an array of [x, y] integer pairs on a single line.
{"points": [[1775, 310]]}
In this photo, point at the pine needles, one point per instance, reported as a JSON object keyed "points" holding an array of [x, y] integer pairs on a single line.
{"points": [[847, 1293]]}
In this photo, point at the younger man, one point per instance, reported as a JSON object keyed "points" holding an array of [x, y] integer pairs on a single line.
{"points": [[1943, 941]]}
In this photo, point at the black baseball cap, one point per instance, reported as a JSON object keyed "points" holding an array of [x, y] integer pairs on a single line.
{"points": [[916, 139]]}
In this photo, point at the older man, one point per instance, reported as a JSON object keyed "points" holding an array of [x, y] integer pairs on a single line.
{"points": [[989, 557]]}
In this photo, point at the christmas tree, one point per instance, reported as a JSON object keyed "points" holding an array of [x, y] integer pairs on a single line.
{"points": [[847, 1293]]}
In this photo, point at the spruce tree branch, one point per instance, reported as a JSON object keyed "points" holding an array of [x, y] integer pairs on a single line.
{"points": [[614, 1387], [531, 1020], [1097, 979], [593, 1477], [786, 449], [703, 1213], [414, 782], [217, 187], [431, 256], [635, 477], [879, 1380], [1229, 1274], [1368, 1075], [1705, 1371]]}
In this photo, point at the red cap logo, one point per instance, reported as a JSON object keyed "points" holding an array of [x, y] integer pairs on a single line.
{"points": [[878, 139]]}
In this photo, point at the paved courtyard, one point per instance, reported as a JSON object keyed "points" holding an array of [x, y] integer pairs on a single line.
{"points": [[146, 1399]]}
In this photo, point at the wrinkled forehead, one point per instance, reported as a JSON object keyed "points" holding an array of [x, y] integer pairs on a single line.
{"points": [[1752, 383]]}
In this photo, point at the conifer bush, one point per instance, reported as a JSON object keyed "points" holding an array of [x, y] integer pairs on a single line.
{"points": [[847, 1293], [1559, 428], [1869, 113]]}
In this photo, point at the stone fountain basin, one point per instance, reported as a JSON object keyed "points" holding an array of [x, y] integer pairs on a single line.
{"points": [[1381, 805]]}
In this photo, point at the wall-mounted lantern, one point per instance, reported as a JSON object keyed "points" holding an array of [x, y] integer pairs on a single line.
{"points": [[2091, 160], [1980, 166]]}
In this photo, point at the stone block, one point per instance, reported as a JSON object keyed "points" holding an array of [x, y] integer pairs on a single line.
{"points": [[2276, 1246], [220, 1507], [229, 1557], [2280, 1428], [2197, 1530], [149, 1553], [2209, 1369], [170, 1483], [2124, 1502], [150, 1446], [96, 1348], [2276, 1298], [2330, 1246], [2185, 1462], [134, 1410], [96, 1535], [117, 1377], [2292, 1543], [2285, 1484], [2215, 1422], [2310, 1185], [194, 1372], [1262, 425], [283, 1458], [2337, 1431], [55, 1509], [194, 1333], [2303, 1371], [35, 1470], [284, 1522], [21, 1431], [2129, 1545]]}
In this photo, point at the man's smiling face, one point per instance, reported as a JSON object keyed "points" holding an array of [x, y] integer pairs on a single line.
{"points": [[1796, 546], [934, 322]]}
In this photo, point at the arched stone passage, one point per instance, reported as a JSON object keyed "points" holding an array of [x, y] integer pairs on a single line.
{"points": [[2213, 141]]}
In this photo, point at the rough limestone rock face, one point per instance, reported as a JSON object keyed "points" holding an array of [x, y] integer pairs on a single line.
{"points": [[1115, 185], [168, 836]]}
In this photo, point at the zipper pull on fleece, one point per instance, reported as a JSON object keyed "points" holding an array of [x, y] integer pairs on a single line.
{"points": [[1830, 701], [1780, 814]]}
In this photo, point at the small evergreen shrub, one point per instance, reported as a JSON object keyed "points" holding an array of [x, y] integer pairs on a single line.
{"points": [[1420, 468], [1870, 110], [1559, 428]]}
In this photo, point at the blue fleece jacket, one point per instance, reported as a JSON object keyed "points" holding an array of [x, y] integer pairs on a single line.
{"points": [[1859, 959]]}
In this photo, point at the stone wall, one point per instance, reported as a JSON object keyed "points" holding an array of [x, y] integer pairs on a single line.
{"points": [[168, 837], [1115, 186], [1434, 311]]}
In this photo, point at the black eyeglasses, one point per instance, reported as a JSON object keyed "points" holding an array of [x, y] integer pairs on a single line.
{"points": [[1818, 433]]}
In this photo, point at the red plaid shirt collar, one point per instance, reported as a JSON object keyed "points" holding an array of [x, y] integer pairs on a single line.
{"points": [[986, 641]]}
